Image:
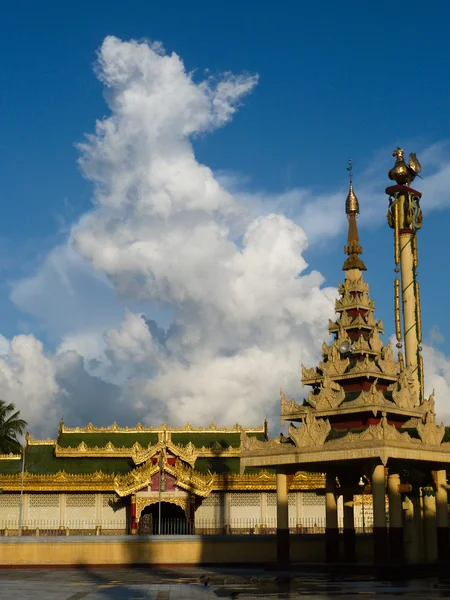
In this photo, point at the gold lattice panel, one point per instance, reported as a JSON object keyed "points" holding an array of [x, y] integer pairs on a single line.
{"points": [[214, 499], [313, 500], [108, 500], [44, 500], [245, 499], [9, 501], [80, 500], [9, 508]]}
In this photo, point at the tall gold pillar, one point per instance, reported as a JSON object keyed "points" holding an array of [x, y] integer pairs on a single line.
{"points": [[409, 303], [442, 529], [396, 549], [429, 524], [283, 555], [226, 511], [349, 526], [417, 502], [410, 537], [331, 526], [380, 550]]}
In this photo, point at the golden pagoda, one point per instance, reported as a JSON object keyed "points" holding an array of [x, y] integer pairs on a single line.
{"points": [[365, 419]]}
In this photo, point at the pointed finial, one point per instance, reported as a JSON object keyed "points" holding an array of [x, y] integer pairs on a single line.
{"points": [[353, 249], [351, 204]]}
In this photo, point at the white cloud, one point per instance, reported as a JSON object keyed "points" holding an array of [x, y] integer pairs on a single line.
{"points": [[437, 377], [165, 231]]}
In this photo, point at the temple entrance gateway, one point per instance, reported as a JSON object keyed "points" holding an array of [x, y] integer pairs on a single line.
{"points": [[173, 520]]}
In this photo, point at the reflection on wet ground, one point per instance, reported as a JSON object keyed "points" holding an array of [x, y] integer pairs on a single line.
{"points": [[178, 583]]}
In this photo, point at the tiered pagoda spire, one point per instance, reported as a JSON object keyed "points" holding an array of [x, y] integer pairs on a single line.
{"points": [[358, 382]]}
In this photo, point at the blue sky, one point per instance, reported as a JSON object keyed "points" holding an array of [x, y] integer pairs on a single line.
{"points": [[336, 80]]}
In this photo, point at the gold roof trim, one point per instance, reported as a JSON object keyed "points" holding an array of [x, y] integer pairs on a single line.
{"points": [[140, 454], [139, 428], [188, 479], [58, 482], [33, 442], [10, 456]]}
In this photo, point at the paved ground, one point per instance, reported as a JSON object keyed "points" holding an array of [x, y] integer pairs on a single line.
{"points": [[185, 583]]}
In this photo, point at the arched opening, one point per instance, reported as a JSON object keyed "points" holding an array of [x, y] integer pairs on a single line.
{"points": [[173, 520]]}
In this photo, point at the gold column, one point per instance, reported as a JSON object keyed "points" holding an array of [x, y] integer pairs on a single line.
{"points": [[409, 304], [417, 503], [99, 509], [62, 510], [349, 526], [442, 529], [379, 514], [226, 511], [282, 520], [395, 518], [410, 538], [429, 524], [331, 529]]}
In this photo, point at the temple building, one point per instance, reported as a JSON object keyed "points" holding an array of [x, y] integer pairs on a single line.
{"points": [[115, 479]]}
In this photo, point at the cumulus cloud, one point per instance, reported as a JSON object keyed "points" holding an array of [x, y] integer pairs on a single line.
{"points": [[437, 378], [225, 269]]}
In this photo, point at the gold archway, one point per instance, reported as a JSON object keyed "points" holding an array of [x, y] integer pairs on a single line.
{"points": [[144, 501]]}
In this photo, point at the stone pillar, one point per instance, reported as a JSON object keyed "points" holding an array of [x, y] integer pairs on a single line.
{"points": [[396, 550], [263, 509], [299, 511], [99, 509], [418, 524], [227, 512], [133, 524], [25, 509], [331, 526], [442, 516], [380, 550], [408, 533], [62, 510], [429, 524], [282, 520], [349, 526]]}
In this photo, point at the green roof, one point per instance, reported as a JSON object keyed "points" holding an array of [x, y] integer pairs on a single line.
{"points": [[41, 460], [101, 439], [8, 467], [127, 440], [217, 465]]}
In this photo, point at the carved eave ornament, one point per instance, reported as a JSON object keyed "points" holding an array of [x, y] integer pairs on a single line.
{"points": [[313, 432], [330, 395]]}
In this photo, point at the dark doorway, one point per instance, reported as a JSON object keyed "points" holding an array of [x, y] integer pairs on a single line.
{"points": [[173, 520]]}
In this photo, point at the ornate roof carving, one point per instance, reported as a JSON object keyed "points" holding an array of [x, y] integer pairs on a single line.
{"points": [[313, 432], [139, 428]]}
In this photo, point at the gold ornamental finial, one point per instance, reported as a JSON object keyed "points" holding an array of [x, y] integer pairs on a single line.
{"points": [[402, 173], [353, 249], [351, 204]]}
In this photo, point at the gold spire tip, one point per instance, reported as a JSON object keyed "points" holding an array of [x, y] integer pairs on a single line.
{"points": [[353, 248], [351, 203]]}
